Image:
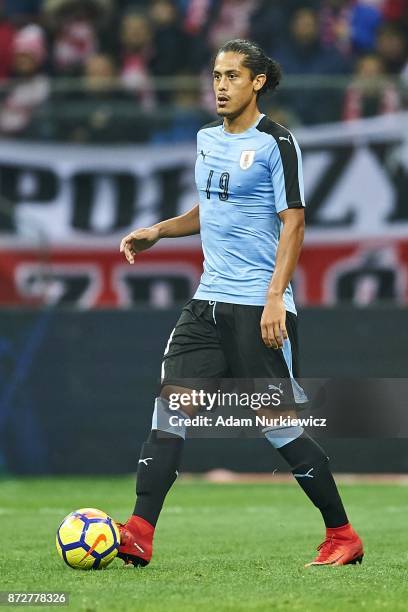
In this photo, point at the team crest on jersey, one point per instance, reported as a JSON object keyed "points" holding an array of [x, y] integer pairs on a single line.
{"points": [[246, 160]]}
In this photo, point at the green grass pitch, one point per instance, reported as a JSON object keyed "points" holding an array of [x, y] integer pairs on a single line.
{"points": [[218, 547]]}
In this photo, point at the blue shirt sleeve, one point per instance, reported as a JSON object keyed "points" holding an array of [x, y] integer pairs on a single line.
{"points": [[285, 164]]}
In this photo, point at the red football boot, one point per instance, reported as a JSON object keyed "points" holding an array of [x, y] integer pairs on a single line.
{"points": [[342, 546], [136, 541]]}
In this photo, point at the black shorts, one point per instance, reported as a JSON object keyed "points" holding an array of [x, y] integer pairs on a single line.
{"points": [[217, 340]]}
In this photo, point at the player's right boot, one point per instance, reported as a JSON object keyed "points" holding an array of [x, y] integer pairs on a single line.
{"points": [[342, 546], [136, 541]]}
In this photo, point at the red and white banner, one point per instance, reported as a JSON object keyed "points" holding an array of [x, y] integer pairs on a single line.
{"points": [[64, 209]]}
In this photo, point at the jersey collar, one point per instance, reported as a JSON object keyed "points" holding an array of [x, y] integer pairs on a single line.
{"points": [[251, 127]]}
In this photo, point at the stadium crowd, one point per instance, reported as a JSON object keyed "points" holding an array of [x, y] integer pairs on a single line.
{"points": [[103, 70]]}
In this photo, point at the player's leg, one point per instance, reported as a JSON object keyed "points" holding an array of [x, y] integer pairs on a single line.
{"points": [[192, 353], [160, 456], [157, 470], [250, 358], [310, 466]]}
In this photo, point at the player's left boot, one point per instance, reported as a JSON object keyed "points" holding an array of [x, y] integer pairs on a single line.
{"points": [[342, 546], [136, 541]]}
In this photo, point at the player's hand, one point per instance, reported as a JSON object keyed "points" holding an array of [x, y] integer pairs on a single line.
{"points": [[273, 323], [138, 241]]}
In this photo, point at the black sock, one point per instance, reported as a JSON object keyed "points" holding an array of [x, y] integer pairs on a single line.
{"points": [[310, 467], [156, 472]]}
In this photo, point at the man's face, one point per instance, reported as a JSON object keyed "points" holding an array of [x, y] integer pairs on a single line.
{"points": [[304, 27], [233, 84]]}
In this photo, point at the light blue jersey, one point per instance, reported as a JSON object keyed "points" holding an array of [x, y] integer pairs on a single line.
{"points": [[244, 181]]}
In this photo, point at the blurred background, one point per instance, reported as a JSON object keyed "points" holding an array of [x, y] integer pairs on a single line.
{"points": [[100, 102]]}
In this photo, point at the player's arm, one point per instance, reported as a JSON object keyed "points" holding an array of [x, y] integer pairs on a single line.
{"points": [[287, 180], [273, 321], [144, 238]]}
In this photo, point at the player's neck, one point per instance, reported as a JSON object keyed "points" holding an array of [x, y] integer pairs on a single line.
{"points": [[241, 123]]}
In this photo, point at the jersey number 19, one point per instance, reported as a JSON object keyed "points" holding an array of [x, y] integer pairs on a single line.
{"points": [[223, 184]]}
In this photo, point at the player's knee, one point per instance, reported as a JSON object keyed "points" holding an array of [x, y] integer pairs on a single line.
{"points": [[277, 414], [168, 390], [178, 399]]}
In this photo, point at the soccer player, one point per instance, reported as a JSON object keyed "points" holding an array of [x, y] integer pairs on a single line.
{"points": [[242, 320]]}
